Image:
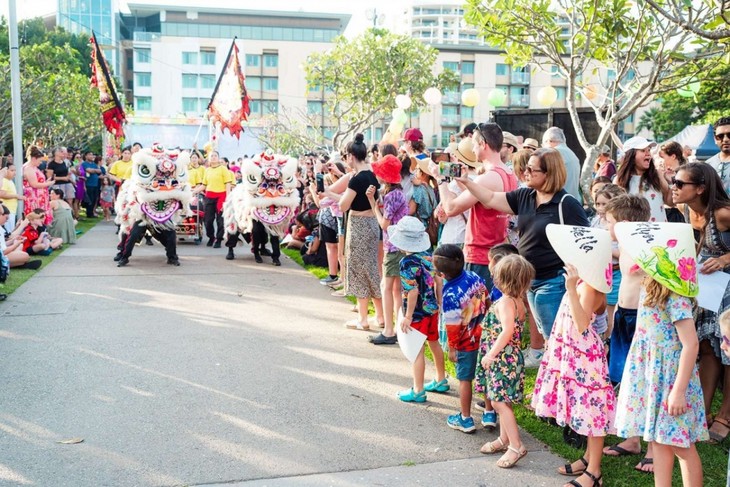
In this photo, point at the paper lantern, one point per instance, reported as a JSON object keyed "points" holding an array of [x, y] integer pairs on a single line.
{"points": [[591, 92], [496, 97], [470, 97], [390, 138], [547, 96], [432, 96], [400, 116], [403, 101], [690, 90]]}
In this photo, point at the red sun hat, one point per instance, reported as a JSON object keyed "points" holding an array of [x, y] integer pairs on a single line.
{"points": [[388, 169]]}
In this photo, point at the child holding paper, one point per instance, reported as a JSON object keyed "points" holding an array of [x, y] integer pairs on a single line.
{"points": [[421, 295], [661, 397], [463, 307]]}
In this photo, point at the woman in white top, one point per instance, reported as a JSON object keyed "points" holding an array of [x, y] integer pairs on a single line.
{"points": [[638, 175]]}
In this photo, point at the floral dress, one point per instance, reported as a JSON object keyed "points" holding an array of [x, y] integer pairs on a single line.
{"points": [[572, 383], [649, 375], [37, 197], [504, 379]]}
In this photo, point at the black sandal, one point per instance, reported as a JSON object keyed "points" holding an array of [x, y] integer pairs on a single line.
{"points": [[597, 481], [569, 469]]}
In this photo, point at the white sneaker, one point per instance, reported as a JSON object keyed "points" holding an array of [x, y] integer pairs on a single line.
{"points": [[532, 358]]}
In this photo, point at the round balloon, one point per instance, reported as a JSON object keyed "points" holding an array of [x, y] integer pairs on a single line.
{"points": [[547, 96], [470, 97], [403, 101], [496, 97], [432, 96]]}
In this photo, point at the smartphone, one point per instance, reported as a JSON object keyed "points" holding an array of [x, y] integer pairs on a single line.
{"points": [[449, 169], [439, 156], [320, 183]]}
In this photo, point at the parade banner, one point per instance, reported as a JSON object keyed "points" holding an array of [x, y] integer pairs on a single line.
{"points": [[111, 108], [229, 105]]}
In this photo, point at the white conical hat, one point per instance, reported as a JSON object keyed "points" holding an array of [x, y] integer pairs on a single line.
{"points": [[665, 251], [588, 249]]}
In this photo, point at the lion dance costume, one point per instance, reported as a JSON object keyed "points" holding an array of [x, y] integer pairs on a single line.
{"points": [[263, 204], [154, 199]]}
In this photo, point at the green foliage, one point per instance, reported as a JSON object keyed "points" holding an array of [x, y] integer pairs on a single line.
{"points": [[58, 104], [362, 76], [675, 112]]}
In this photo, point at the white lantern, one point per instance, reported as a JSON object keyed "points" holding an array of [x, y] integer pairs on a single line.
{"points": [[432, 96], [403, 101]]}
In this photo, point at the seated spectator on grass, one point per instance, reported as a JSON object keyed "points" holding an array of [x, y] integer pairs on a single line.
{"points": [[12, 243], [63, 225], [38, 242]]}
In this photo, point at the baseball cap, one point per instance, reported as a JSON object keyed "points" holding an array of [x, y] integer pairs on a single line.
{"points": [[467, 130], [413, 134], [638, 143], [510, 140]]}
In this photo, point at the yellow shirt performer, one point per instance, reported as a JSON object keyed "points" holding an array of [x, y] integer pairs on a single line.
{"points": [[217, 182]]}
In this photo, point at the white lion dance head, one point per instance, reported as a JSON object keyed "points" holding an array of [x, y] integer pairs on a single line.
{"points": [[158, 193], [267, 193]]}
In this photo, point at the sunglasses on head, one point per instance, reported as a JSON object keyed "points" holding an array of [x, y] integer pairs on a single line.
{"points": [[680, 184]]}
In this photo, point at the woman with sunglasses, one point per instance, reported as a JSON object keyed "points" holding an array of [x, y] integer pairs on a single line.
{"points": [[542, 202], [638, 175], [697, 190]]}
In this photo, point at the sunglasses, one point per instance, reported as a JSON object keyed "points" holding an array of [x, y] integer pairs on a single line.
{"points": [[726, 135], [531, 170], [680, 184]]}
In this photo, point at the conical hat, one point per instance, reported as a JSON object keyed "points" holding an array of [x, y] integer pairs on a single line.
{"points": [[588, 249], [665, 251]]}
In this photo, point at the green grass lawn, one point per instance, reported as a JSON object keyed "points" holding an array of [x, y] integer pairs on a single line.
{"points": [[18, 276], [617, 471]]}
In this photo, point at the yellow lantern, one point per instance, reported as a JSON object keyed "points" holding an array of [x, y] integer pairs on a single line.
{"points": [[547, 96], [470, 97]]}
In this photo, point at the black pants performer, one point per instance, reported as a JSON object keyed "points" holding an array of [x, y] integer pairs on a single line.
{"points": [[258, 238], [167, 238], [213, 215]]}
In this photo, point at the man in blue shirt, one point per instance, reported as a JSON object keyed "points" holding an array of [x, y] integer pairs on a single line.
{"points": [[93, 183]]}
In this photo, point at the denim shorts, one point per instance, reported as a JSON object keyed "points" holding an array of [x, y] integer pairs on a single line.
{"points": [[466, 365], [544, 297]]}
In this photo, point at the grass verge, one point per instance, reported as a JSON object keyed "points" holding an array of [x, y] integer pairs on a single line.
{"points": [[617, 471], [18, 276]]}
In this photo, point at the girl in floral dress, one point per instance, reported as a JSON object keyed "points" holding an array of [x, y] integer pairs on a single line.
{"points": [[572, 383], [503, 362], [661, 397]]}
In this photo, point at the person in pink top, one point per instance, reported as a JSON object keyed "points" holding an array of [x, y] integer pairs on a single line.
{"points": [[35, 186]]}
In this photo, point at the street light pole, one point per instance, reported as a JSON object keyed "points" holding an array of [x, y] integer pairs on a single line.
{"points": [[15, 97]]}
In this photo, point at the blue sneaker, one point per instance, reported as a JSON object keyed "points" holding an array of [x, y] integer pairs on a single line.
{"points": [[410, 395], [437, 386], [455, 421], [489, 419]]}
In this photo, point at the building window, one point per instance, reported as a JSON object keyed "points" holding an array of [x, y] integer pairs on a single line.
{"points": [[143, 55], [328, 133], [271, 84], [207, 81], [189, 57], [253, 60], [255, 106], [467, 113], [467, 67], [271, 60], [253, 83], [315, 88], [560, 90], [451, 66], [502, 69], [555, 71], [314, 107], [143, 103], [519, 96], [189, 80], [143, 80], [207, 58], [190, 105], [270, 106], [467, 86]]}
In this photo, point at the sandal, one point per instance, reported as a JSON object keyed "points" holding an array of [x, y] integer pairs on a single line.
{"points": [[620, 451], [502, 463], [716, 437], [356, 325], [597, 481], [642, 463], [489, 448], [568, 469]]}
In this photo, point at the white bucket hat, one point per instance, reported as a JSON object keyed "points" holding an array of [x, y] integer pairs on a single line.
{"points": [[588, 249], [665, 251], [409, 235]]}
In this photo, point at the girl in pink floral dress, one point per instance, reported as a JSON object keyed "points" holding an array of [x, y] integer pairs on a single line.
{"points": [[35, 186], [572, 383]]}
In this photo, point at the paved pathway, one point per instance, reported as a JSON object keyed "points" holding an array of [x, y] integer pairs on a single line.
{"points": [[213, 373]]}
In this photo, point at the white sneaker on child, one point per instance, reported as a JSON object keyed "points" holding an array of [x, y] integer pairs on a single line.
{"points": [[532, 358]]}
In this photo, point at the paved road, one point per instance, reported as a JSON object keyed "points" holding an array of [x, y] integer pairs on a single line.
{"points": [[212, 373]]}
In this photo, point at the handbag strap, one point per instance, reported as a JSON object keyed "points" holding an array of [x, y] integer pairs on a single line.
{"points": [[560, 207]]}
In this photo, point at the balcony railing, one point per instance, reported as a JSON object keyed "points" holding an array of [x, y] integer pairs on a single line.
{"points": [[147, 36], [451, 98], [519, 100], [450, 120], [520, 78]]}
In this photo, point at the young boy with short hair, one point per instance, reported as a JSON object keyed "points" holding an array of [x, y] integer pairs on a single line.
{"points": [[421, 296], [626, 208], [463, 307]]}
